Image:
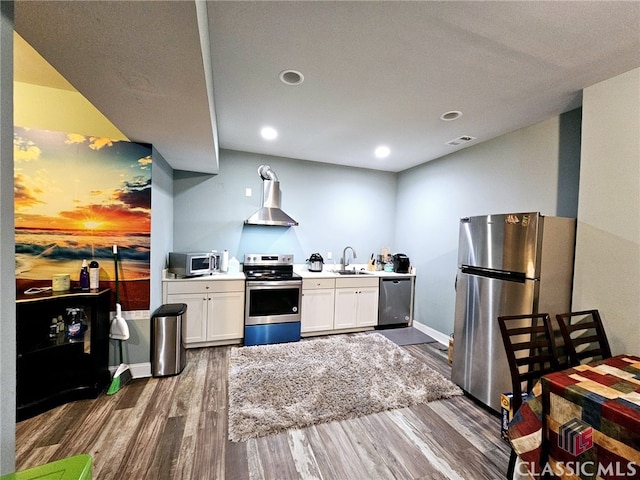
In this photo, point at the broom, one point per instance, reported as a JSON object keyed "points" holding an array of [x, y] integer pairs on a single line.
{"points": [[119, 331]]}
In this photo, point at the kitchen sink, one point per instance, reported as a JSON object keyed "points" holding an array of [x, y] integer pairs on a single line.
{"points": [[352, 272]]}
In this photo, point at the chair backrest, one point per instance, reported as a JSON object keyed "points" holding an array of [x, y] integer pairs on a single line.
{"points": [[531, 352], [584, 336]]}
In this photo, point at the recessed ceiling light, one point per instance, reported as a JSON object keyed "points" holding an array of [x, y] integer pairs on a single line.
{"points": [[382, 151], [268, 133], [452, 115], [291, 77]]}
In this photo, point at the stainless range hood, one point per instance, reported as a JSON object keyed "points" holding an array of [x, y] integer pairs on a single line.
{"points": [[270, 213]]}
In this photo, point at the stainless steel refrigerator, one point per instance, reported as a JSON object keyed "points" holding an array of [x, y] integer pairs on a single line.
{"points": [[508, 264]]}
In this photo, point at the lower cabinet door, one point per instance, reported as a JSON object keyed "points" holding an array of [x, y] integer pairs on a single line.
{"points": [[195, 329], [317, 310], [345, 308], [367, 315], [226, 316]]}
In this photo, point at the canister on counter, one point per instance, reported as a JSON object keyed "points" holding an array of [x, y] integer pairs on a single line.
{"points": [[61, 282]]}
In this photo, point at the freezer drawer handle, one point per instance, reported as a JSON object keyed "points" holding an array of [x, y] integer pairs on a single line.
{"points": [[497, 274]]}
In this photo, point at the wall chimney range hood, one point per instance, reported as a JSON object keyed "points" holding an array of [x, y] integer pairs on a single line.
{"points": [[270, 213]]}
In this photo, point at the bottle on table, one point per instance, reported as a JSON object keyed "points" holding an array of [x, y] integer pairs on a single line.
{"points": [[84, 276], [94, 275]]}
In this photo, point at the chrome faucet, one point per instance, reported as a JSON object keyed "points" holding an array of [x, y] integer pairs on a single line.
{"points": [[345, 262]]}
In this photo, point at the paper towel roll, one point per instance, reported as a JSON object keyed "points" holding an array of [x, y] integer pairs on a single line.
{"points": [[224, 263]]}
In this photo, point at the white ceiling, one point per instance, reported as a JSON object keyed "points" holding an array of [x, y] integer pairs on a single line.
{"points": [[375, 72]]}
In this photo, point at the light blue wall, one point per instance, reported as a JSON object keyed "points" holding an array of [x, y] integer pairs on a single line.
{"points": [[533, 169], [415, 212], [161, 223], [335, 206], [137, 347]]}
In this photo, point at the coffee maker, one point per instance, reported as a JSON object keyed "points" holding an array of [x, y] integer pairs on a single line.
{"points": [[401, 263]]}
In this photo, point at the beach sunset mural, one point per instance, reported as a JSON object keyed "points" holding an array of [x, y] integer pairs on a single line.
{"points": [[76, 197]]}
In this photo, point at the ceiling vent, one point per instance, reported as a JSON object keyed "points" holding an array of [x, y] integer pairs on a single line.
{"points": [[460, 140]]}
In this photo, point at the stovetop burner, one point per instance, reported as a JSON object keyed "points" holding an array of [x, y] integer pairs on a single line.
{"points": [[270, 275], [259, 266]]}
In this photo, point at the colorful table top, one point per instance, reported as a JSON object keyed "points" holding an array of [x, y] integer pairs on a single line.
{"points": [[593, 422]]}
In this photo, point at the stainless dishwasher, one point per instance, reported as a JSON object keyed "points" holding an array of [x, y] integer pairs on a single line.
{"points": [[394, 307]]}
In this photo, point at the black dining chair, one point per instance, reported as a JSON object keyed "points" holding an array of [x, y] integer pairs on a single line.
{"points": [[584, 337], [531, 353]]}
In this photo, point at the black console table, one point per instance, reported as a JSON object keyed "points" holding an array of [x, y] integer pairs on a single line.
{"points": [[51, 369]]}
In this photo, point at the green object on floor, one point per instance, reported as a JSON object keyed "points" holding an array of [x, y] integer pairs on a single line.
{"points": [[78, 467], [121, 377]]}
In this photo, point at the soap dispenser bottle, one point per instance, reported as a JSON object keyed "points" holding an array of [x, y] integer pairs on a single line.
{"points": [[84, 276]]}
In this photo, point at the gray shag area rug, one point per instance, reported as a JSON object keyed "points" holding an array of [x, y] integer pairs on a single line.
{"points": [[273, 388]]}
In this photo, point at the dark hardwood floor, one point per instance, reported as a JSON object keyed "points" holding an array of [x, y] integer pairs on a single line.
{"points": [[176, 428]]}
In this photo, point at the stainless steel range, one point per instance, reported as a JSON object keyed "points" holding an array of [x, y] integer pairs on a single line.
{"points": [[272, 300]]}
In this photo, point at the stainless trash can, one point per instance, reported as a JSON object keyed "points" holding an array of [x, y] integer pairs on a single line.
{"points": [[168, 355]]}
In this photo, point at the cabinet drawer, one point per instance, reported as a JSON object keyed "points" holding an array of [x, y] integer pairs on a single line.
{"points": [[207, 286], [360, 281], [311, 283]]}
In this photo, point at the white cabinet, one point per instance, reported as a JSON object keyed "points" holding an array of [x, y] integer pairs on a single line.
{"points": [[225, 320], [195, 329], [356, 302], [318, 296], [215, 310]]}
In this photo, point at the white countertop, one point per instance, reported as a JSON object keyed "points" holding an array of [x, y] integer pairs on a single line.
{"points": [[213, 276], [329, 271]]}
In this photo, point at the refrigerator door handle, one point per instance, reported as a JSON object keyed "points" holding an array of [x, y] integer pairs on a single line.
{"points": [[519, 277]]}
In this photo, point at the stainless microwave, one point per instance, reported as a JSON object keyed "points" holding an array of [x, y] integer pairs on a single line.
{"points": [[189, 264]]}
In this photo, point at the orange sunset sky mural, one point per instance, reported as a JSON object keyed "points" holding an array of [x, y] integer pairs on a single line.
{"points": [[76, 197]]}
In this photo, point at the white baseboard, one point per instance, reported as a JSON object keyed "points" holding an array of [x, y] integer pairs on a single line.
{"points": [[138, 370], [433, 333], [141, 370]]}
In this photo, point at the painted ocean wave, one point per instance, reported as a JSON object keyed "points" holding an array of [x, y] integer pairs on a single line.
{"points": [[60, 245], [71, 252]]}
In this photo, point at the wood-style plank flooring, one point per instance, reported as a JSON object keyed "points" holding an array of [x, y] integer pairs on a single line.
{"points": [[176, 428]]}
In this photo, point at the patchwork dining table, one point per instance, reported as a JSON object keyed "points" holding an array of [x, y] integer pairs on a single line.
{"points": [[582, 423]]}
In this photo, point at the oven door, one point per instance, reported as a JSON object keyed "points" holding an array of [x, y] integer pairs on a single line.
{"points": [[272, 302]]}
